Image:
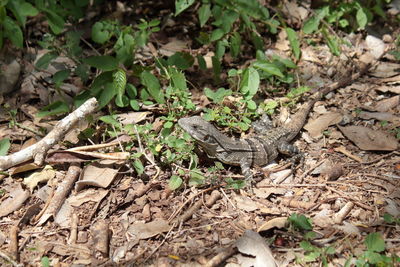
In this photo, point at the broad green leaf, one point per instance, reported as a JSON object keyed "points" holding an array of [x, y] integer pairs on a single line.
{"points": [[45, 262], [44, 60], [201, 61], [105, 63], [53, 109], [4, 146], [13, 32], [60, 76], [153, 86], [216, 64], [181, 60], [311, 25], [220, 49], [119, 81], [294, 42], [250, 82], [134, 104], [122, 101], [300, 221], [361, 18], [179, 80], [131, 91], [268, 67], [307, 246], [175, 182], [375, 242], [137, 164], [332, 43], [182, 5], [235, 42], [110, 119], [196, 178], [100, 33], [55, 21], [217, 96], [21, 10], [106, 94], [204, 14], [216, 34], [251, 105]]}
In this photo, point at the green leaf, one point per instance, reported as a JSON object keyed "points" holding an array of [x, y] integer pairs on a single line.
{"points": [[131, 90], [182, 5], [175, 182], [178, 80], [202, 62], [375, 242], [181, 60], [55, 21], [235, 42], [311, 25], [268, 67], [294, 42], [45, 262], [60, 76], [106, 94], [4, 146], [204, 14], [13, 32], [250, 82], [134, 104], [153, 86], [217, 96], [216, 64], [332, 43], [196, 178], [100, 33], [110, 119], [216, 34], [251, 105], [137, 164], [105, 63], [55, 108], [361, 17], [21, 10], [44, 60], [306, 246], [119, 81], [300, 221]]}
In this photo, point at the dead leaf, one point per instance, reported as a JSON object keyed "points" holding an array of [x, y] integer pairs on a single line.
{"points": [[251, 243], [91, 194], [368, 139], [245, 203], [280, 222], [39, 177], [387, 104], [317, 126], [17, 197], [381, 116], [392, 89], [96, 175], [172, 47], [132, 117], [143, 230], [385, 70]]}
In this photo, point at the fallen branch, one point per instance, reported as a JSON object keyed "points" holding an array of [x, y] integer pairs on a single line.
{"points": [[38, 151]]}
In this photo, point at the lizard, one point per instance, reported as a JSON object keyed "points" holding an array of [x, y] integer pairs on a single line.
{"points": [[269, 142]]}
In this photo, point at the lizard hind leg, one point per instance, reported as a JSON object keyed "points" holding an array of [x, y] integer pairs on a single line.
{"points": [[292, 151]]}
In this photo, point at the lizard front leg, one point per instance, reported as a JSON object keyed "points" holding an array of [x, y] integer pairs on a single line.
{"points": [[245, 165], [288, 149]]}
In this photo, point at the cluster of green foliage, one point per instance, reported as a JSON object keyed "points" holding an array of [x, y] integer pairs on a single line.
{"points": [[374, 255], [224, 25]]}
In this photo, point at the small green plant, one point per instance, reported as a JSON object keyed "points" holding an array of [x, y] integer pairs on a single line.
{"points": [[374, 255], [4, 146]]}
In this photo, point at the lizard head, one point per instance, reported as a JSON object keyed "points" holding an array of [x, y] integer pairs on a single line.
{"points": [[202, 131]]}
